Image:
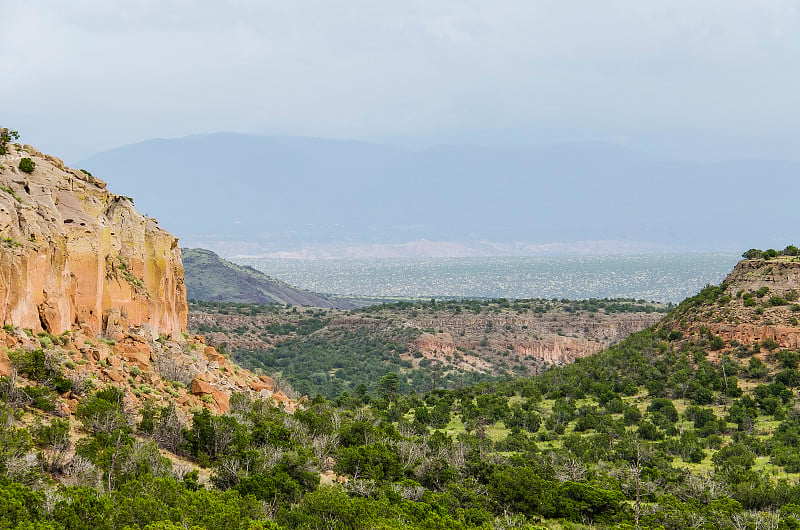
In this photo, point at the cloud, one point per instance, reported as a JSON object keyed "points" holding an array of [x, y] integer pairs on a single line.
{"points": [[120, 71]]}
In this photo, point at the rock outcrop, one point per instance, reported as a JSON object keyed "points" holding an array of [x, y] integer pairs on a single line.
{"points": [[759, 305], [75, 256], [779, 275], [99, 289], [555, 339], [492, 340]]}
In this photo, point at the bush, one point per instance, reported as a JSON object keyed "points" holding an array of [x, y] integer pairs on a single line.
{"points": [[375, 461], [27, 165], [753, 253], [777, 300], [40, 397]]}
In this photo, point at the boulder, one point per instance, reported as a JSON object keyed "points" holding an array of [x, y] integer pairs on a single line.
{"points": [[199, 386], [221, 399]]}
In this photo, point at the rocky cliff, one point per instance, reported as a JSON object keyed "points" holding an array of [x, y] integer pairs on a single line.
{"points": [[98, 290], [755, 306], [491, 337], [75, 256]]}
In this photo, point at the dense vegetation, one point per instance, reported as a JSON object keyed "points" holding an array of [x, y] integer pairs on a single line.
{"points": [[351, 361], [318, 351], [771, 253], [649, 433], [524, 305]]}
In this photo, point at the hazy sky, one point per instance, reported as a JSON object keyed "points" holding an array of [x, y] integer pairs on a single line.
{"points": [[86, 75]]}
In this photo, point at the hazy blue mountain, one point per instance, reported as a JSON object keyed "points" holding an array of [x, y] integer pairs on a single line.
{"points": [[286, 191]]}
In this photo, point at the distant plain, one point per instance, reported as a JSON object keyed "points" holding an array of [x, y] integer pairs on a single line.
{"points": [[652, 277]]}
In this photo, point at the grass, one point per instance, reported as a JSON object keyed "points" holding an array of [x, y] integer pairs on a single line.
{"points": [[706, 466], [497, 431], [129, 276], [9, 190], [10, 242], [455, 427]]}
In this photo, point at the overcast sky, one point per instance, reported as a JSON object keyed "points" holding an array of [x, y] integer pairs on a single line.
{"points": [[85, 75]]}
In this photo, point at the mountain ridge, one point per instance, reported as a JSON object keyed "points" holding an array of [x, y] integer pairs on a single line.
{"points": [[210, 278]]}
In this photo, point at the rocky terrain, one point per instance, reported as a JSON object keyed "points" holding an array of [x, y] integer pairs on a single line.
{"points": [[491, 338], [210, 278], [96, 291], [72, 251], [756, 306]]}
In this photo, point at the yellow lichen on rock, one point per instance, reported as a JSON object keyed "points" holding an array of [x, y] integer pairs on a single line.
{"points": [[71, 251]]}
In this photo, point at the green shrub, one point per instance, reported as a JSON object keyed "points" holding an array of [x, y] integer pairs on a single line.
{"points": [[777, 300], [41, 398], [27, 165], [40, 367], [716, 343]]}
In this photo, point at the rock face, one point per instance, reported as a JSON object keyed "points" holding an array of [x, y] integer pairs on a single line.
{"points": [[535, 338], [107, 284], [491, 339], [780, 275], [75, 256], [760, 306]]}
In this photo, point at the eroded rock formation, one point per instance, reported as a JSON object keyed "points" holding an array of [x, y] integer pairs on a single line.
{"points": [[99, 288], [759, 305], [75, 256]]}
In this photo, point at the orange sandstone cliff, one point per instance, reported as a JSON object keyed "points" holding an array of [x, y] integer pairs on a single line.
{"points": [[72, 254], [100, 289]]}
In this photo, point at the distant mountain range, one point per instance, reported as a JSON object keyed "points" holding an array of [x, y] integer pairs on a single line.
{"points": [[210, 278], [259, 194]]}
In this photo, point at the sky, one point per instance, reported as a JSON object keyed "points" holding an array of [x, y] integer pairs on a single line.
{"points": [[712, 79]]}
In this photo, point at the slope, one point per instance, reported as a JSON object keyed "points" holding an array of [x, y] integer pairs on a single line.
{"points": [[210, 278], [654, 432]]}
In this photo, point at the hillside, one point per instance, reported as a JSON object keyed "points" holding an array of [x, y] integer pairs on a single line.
{"points": [[92, 293], [430, 344], [754, 310], [210, 278], [670, 428], [311, 191]]}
